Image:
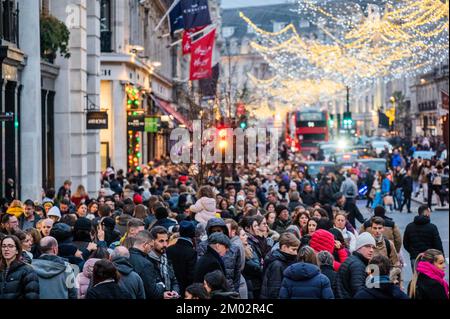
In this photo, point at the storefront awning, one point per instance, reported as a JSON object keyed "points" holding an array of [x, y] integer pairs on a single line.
{"points": [[170, 110]]}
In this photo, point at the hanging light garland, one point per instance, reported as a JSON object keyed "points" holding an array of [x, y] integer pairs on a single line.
{"points": [[404, 38]]}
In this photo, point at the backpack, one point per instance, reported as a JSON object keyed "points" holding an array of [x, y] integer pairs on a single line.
{"points": [[348, 190]]}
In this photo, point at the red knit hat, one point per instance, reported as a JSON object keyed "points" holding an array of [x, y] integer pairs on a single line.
{"points": [[137, 199], [183, 179], [322, 240]]}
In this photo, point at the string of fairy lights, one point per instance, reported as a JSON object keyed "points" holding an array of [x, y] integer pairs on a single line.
{"points": [[392, 40]]}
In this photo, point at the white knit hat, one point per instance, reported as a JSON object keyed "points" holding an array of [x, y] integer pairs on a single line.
{"points": [[364, 239]]}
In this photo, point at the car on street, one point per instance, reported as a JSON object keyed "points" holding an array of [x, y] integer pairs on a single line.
{"points": [[375, 164], [312, 168], [424, 154], [380, 146]]}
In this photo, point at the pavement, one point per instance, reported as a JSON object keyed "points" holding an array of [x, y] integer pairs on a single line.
{"points": [[438, 217], [419, 200]]}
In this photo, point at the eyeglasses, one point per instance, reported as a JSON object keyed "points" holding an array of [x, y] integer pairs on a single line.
{"points": [[8, 246]]}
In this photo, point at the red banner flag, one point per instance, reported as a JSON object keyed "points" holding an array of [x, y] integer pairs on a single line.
{"points": [[201, 57], [186, 43], [187, 39], [444, 100]]}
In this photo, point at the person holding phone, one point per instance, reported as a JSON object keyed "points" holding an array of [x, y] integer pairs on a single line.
{"points": [[167, 286]]}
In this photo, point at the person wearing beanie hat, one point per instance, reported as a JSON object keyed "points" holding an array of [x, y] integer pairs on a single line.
{"points": [[54, 214], [218, 245], [137, 199], [282, 220], [15, 208], [83, 237], [391, 230], [187, 229], [183, 256], [352, 274], [323, 240]]}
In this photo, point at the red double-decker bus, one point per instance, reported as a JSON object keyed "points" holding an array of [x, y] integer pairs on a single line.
{"points": [[305, 129]]}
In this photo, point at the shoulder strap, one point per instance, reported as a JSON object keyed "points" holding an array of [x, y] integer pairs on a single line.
{"points": [[388, 246]]}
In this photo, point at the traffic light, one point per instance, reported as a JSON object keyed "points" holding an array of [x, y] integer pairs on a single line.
{"points": [[223, 138], [348, 121], [243, 122]]}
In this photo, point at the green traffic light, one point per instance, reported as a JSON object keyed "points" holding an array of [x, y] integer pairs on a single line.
{"points": [[243, 125]]}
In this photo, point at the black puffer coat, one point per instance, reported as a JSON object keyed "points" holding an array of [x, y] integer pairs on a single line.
{"points": [[420, 236], [20, 281], [351, 276], [274, 266]]}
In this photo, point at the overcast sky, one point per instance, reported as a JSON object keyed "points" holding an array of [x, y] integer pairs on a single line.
{"points": [[248, 3]]}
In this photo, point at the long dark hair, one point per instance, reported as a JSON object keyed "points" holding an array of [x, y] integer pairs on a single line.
{"points": [[18, 245]]}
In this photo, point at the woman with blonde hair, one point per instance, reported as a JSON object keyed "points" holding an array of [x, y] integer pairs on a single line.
{"points": [[80, 195], [428, 281]]}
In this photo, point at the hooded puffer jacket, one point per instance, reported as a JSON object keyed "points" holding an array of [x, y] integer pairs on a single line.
{"points": [[54, 275], [232, 258], [129, 279], [84, 278], [204, 209], [421, 235], [324, 240], [305, 281], [274, 266]]}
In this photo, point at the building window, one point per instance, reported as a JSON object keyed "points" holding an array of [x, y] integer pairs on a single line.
{"points": [[9, 30], [105, 26], [227, 32]]}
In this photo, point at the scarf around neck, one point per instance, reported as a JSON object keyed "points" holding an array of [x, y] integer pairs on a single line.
{"points": [[433, 272], [163, 268]]}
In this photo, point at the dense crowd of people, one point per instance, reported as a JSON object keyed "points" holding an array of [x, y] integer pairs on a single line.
{"points": [[269, 234]]}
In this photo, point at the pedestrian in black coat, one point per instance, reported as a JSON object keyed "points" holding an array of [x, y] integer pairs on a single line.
{"points": [[183, 256], [421, 235], [212, 259], [141, 263], [276, 263], [407, 187], [105, 284], [18, 280], [352, 274]]}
